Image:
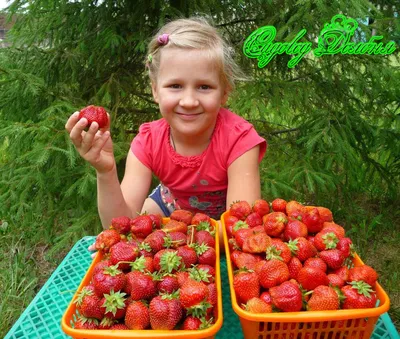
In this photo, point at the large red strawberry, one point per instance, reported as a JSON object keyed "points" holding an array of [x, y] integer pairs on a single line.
{"points": [[125, 252], [83, 323], [241, 234], [199, 218], [240, 209], [121, 224], [342, 272], [335, 280], [188, 255], [192, 293], [287, 297], [253, 220], [182, 215], [106, 239], [119, 327], [345, 245], [168, 284], [141, 226], [101, 264], [109, 278], [206, 255], [157, 220], [156, 240], [175, 226], [279, 205], [294, 266], [278, 250], [363, 273], [302, 248], [230, 222], [204, 237], [261, 207], [325, 240], [311, 277], [167, 261], [358, 295], [272, 272], [140, 285], [244, 260], [246, 286], [317, 263], [325, 214], [94, 113], [165, 312], [88, 304], [143, 264], [335, 228], [114, 305], [323, 298], [333, 258], [137, 316], [312, 219], [274, 223], [295, 210], [256, 243], [257, 305], [295, 229], [175, 239]]}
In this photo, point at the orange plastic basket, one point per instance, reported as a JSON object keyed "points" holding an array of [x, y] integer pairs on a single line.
{"points": [[357, 323], [209, 333]]}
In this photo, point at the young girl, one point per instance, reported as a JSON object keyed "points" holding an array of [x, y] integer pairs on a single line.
{"points": [[205, 156]]}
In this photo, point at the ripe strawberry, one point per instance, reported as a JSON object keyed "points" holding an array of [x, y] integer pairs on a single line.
{"points": [[188, 255], [325, 240], [141, 226], [143, 264], [204, 237], [345, 245], [295, 229], [278, 250], [253, 220], [312, 219], [274, 223], [175, 239], [279, 205], [137, 316], [88, 304], [302, 248], [192, 293], [109, 278], [123, 251], [244, 260], [140, 286], [156, 240], [311, 277], [256, 243], [230, 222], [335, 280], [363, 273], [167, 261], [294, 266], [246, 286], [333, 258], [358, 295], [175, 226], [191, 323], [114, 305], [200, 217], [317, 263], [257, 305], [287, 297], [272, 272], [83, 323], [266, 296], [182, 215], [261, 207], [121, 224], [206, 255], [325, 214], [323, 298], [106, 323], [94, 114], [106, 239], [335, 228], [206, 270], [157, 220], [212, 294], [342, 272], [101, 264], [295, 210], [165, 312], [119, 327], [182, 276], [241, 234], [168, 284], [240, 209]]}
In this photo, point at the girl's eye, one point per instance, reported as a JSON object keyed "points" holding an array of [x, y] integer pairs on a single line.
{"points": [[175, 86], [205, 87]]}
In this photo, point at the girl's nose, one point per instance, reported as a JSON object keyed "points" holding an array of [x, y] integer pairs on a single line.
{"points": [[189, 99]]}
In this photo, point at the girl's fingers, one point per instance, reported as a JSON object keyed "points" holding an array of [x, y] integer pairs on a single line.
{"points": [[99, 143], [77, 133], [71, 122], [92, 247], [87, 140]]}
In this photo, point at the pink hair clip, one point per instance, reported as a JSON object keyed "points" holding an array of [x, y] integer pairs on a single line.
{"points": [[163, 39]]}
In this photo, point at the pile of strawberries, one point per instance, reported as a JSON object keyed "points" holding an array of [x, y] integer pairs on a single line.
{"points": [[293, 258], [152, 275]]}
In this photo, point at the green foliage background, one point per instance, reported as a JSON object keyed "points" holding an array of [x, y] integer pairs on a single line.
{"points": [[332, 123]]}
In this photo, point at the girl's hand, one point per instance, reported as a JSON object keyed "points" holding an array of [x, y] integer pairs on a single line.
{"points": [[94, 145]]}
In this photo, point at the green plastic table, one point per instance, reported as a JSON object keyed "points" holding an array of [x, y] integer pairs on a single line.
{"points": [[41, 319]]}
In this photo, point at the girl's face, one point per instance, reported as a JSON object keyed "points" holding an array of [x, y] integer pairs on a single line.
{"points": [[189, 91]]}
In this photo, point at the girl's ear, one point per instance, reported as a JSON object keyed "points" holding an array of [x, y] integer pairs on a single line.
{"points": [[154, 90], [225, 95]]}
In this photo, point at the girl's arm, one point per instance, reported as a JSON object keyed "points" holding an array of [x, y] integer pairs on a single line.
{"points": [[244, 178], [127, 199]]}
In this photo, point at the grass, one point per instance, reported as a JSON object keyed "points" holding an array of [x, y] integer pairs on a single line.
{"points": [[25, 267]]}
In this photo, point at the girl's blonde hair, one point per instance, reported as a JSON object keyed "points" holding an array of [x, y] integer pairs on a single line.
{"points": [[195, 33]]}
